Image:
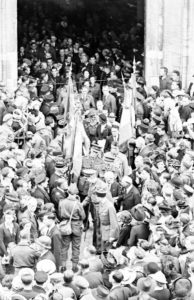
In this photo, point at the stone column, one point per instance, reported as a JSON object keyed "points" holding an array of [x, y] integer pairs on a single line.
{"points": [[169, 38], [8, 43]]}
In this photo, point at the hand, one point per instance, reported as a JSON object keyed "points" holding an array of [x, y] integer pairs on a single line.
{"points": [[111, 240]]}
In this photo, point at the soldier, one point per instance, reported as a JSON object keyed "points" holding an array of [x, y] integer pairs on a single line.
{"points": [[108, 219]]}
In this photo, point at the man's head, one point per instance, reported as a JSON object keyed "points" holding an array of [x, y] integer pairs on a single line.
{"points": [[27, 280], [175, 75], [105, 90], [163, 71]]}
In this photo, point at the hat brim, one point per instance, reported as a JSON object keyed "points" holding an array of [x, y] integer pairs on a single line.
{"points": [[42, 245]]}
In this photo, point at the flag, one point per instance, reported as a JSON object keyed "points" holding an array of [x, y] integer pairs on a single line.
{"points": [[127, 124], [80, 144], [69, 103]]}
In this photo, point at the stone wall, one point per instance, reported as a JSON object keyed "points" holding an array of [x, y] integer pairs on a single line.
{"points": [[169, 38]]}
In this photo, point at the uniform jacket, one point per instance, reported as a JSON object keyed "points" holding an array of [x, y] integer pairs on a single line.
{"points": [[41, 193], [67, 205], [108, 221], [109, 103], [56, 244], [23, 255], [139, 231], [7, 237], [119, 293], [87, 103]]}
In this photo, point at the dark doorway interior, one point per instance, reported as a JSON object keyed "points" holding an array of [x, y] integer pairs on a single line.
{"points": [[96, 23]]}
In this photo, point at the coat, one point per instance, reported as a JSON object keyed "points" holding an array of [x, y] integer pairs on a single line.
{"points": [[139, 231], [108, 221], [68, 205], [131, 198], [41, 193], [7, 237], [56, 244], [109, 104], [104, 134], [24, 255]]}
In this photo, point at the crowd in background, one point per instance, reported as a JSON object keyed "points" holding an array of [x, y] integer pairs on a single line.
{"points": [[136, 201]]}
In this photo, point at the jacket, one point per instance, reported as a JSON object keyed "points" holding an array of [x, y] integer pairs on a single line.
{"points": [[24, 256], [6, 237], [105, 133], [47, 255], [108, 221], [41, 193], [109, 104], [66, 206], [139, 231], [56, 244], [131, 198]]}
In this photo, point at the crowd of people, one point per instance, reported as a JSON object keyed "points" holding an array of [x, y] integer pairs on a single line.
{"points": [[137, 200]]}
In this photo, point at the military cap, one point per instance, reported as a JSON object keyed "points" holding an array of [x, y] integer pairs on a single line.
{"points": [[116, 126], [101, 188], [108, 158], [88, 172], [164, 206], [112, 115], [57, 153], [44, 89], [96, 147], [188, 189], [60, 163], [178, 195]]}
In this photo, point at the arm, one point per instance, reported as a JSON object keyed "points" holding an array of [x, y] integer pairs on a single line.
{"points": [[113, 105], [56, 241], [81, 212], [114, 228], [125, 166], [2, 245], [132, 240]]}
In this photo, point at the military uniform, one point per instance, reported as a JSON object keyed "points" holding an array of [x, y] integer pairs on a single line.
{"points": [[108, 222]]}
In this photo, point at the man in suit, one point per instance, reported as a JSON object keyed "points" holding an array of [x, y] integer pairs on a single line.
{"points": [[140, 229], [40, 191], [131, 195], [109, 101], [164, 79], [114, 187], [55, 235], [103, 130], [114, 137]]}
